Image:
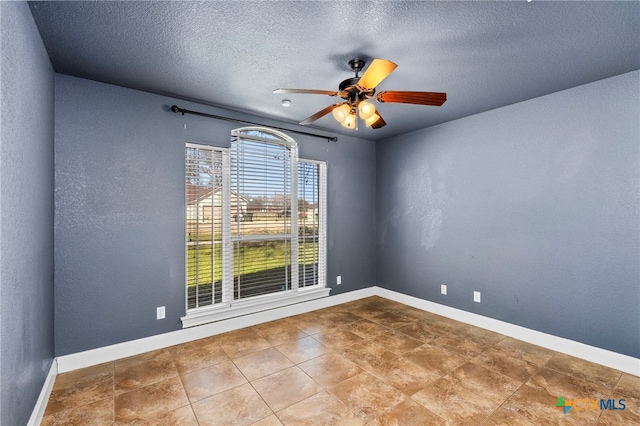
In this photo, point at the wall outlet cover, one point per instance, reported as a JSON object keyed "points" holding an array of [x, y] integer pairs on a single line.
{"points": [[443, 289], [476, 296]]}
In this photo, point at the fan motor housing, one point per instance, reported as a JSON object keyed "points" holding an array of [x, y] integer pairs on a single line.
{"points": [[350, 90], [349, 84]]}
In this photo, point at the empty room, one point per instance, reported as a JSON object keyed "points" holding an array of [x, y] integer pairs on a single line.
{"points": [[319, 213]]}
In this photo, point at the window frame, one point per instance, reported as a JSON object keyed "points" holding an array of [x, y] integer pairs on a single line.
{"points": [[296, 294]]}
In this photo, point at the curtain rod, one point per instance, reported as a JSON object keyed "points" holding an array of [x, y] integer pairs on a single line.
{"points": [[177, 109]]}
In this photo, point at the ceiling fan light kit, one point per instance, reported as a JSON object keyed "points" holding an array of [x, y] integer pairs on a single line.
{"points": [[369, 121], [366, 110], [356, 90], [340, 113], [350, 121]]}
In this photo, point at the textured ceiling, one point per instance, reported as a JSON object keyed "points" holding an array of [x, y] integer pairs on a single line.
{"points": [[234, 53]]}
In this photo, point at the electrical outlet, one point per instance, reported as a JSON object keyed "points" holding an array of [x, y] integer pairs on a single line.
{"points": [[160, 312], [476, 296], [339, 280], [443, 289]]}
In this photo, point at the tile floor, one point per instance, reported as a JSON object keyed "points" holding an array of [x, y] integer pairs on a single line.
{"points": [[368, 362]]}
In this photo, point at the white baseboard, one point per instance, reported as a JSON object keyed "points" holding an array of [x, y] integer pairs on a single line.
{"points": [[600, 356], [248, 306], [134, 347], [41, 404]]}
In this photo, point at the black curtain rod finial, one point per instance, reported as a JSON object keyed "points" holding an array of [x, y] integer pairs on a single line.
{"points": [[176, 109]]}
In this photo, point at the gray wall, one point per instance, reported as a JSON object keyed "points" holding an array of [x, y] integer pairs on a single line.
{"points": [[536, 205], [26, 213], [119, 209]]}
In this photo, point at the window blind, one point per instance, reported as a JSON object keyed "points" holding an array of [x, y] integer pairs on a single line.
{"points": [[255, 226], [204, 217], [311, 229], [264, 219]]}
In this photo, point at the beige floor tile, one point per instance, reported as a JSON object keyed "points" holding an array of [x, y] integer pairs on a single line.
{"points": [[262, 363], [337, 339], [391, 319], [489, 385], [452, 343], [539, 407], [396, 342], [140, 358], [201, 384], [630, 415], [478, 335], [195, 355], [536, 355], [586, 370], [272, 420], [367, 354], [81, 387], [365, 311], [142, 370], [239, 406], [274, 324], [504, 417], [514, 358], [435, 360], [450, 400], [425, 332], [367, 396], [183, 416], [302, 350], [367, 329], [380, 303], [629, 385], [442, 324], [97, 413], [63, 380], [404, 375], [321, 409], [234, 335], [504, 362], [279, 332], [392, 305], [412, 313], [475, 392], [330, 369], [569, 387], [242, 342], [150, 402], [285, 388], [408, 412], [311, 324], [348, 306], [341, 318]]}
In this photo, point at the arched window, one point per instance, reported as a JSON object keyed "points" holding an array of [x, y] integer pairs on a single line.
{"points": [[255, 226]]}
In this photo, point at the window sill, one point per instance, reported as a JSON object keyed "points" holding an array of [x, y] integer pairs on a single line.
{"points": [[238, 308]]}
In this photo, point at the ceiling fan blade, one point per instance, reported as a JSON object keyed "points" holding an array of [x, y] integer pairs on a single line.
{"points": [[307, 91], [377, 71], [418, 98], [320, 114]]}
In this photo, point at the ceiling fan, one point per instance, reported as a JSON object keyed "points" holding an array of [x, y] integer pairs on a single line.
{"points": [[356, 90]]}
